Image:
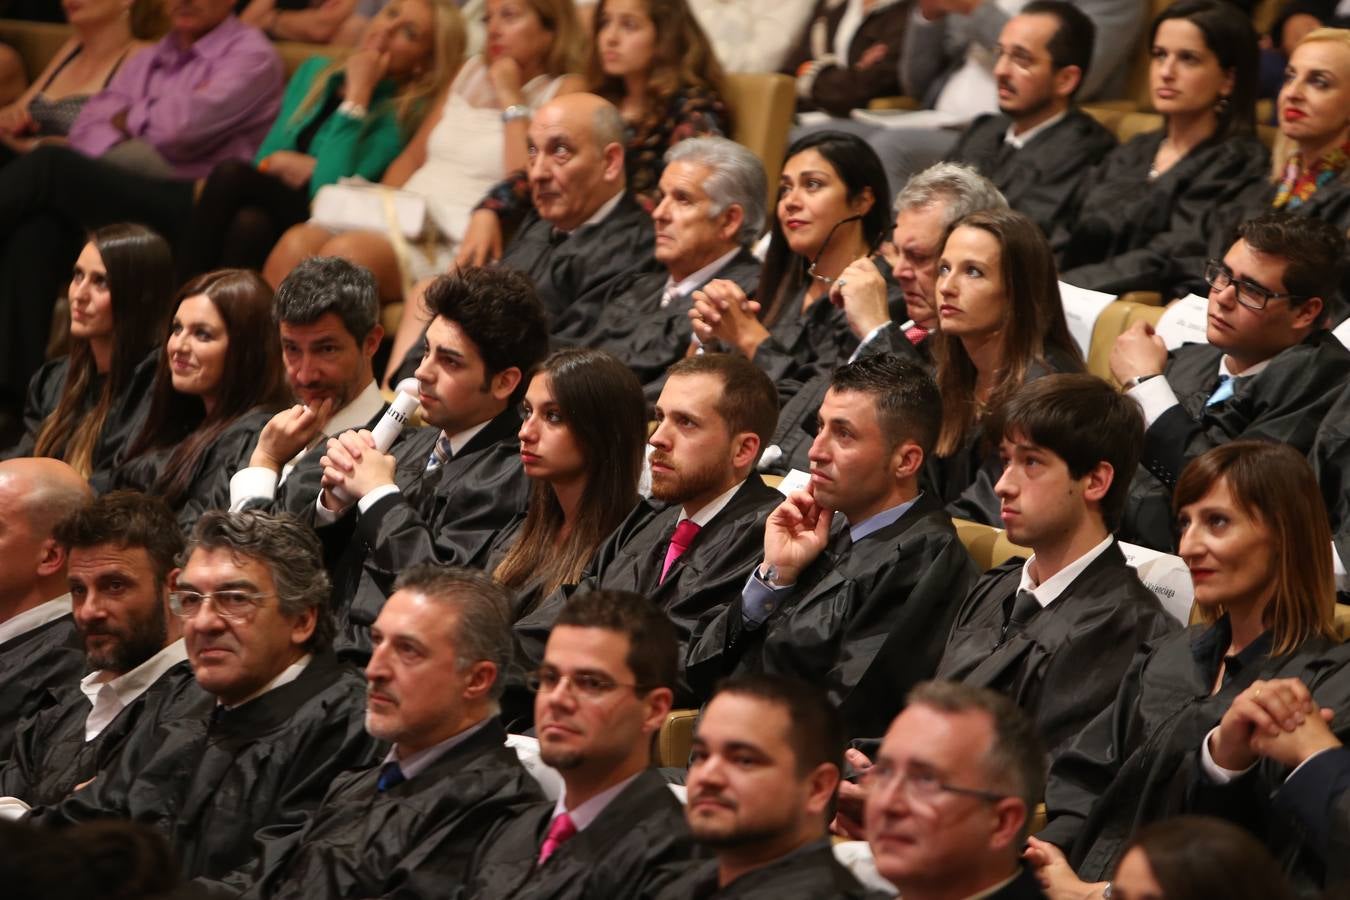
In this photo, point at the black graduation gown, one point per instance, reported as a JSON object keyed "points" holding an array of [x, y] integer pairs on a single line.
{"points": [[1330, 458], [578, 270], [965, 480], [808, 873], [49, 656], [634, 327], [796, 429], [414, 839], [640, 833], [447, 516], [51, 757], [123, 422], [209, 487], [1122, 228], [1038, 180], [707, 577], [1284, 402], [1095, 626], [867, 621], [1130, 765], [1297, 820], [209, 786]]}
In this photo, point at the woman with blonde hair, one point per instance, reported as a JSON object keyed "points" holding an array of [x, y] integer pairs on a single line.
{"points": [[1254, 534]]}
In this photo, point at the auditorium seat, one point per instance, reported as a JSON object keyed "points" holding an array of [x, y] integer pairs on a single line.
{"points": [[762, 107], [987, 546], [675, 738], [1113, 320]]}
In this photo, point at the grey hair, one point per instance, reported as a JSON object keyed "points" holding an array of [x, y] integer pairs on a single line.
{"points": [[324, 284], [964, 190], [289, 549], [607, 125], [482, 610], [737, 178], [1016, 761]]}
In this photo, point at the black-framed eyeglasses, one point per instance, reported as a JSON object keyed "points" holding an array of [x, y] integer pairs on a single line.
{"points": [[237, 606], [1249, 293], [583, 684], [811, 269], [922, 787]]}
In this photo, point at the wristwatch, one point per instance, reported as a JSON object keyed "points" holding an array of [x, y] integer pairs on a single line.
{"points": [[769, 575], [515, 111], [1135, 382]]}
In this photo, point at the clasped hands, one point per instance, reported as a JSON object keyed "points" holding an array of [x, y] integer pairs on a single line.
{"points": [[351, 463]]}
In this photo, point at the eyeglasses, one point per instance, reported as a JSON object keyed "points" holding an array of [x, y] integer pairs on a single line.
{"points": [[237, 606], [811, 269], [1017, 56], [920, 787], [1249, 293], [583, 684]]}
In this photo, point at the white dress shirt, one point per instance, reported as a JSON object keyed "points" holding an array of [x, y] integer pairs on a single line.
{"points": [[110, 697]]}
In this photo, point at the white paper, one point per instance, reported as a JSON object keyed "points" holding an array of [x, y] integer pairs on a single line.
{"points": [[1082, 308], [1184, 322], [1342, 333], [795, 480], [1166, 576]]}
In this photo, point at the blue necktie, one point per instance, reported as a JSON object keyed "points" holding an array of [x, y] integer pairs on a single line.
{"points": [[1222, 392], [440, 453], [390, 776]]}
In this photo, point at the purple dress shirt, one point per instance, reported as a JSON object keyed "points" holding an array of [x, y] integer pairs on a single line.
{"points": [[198, 107]]}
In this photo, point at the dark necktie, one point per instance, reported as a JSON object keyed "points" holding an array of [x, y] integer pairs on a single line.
{"points": [[556, 236], [1019, 612], [440, 453], [390, 776]]}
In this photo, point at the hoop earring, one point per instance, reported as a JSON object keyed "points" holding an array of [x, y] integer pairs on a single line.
{"points": [[1221, 105]]}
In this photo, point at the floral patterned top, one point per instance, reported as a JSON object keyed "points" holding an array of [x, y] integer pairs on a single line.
{"points": [[693, 112]]}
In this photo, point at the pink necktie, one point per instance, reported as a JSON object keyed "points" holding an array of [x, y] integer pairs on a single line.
{"points": [[916, 333], [560, 831], [679, 542]]}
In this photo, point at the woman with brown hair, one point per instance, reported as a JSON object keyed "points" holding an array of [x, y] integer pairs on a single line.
{"points": [[1001, 324], [85, 406], [1196, 858], [218, 381], [1254, 534]]}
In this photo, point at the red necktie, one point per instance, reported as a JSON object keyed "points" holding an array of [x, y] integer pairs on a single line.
{"points": [[679, 542], [916, 333], [560, 831]]}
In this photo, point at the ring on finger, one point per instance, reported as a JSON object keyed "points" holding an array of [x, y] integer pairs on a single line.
{"points": [[840, 283]]}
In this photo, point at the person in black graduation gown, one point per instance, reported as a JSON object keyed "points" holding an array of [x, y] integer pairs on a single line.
{"points": [[83, 407], [1270, 369], [1257, 544], [276, 716], [1198, 856], [1039, 146], [688, 548], [40, 647], [925, 208], [603, 690], [1069, 444], [712, 209], [951, 795], [584, 231], [446, 489], [120, 551], [832, 210], [859, 603], [763, 769], [218, 380], [1330, 458], [409, 826], [1133, 207], [1001, 325]]}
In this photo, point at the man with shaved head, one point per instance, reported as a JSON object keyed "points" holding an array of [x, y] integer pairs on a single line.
{"points": [[39, 645]]}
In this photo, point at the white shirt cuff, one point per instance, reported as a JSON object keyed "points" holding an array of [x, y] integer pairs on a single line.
{"points": [[1215, 772], [252, 483], [1154, 397], [369, 500], [325, 516]]}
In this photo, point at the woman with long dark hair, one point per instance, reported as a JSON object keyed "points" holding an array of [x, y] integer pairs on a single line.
{"points": [[1001, 324], [1129, 211], [218, 381], [83, 407], [1196, 858], [1254, 534], [833, 208]]}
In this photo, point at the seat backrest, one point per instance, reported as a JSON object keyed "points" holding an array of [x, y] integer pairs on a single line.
{"points": [[1138, 89], [978, 540], [762, 107], [676, 738], [1112, 321], [35, 42], [1136, 123]]}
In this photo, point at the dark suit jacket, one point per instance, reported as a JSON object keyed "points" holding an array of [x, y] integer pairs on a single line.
{"points": [[1096, 626], [640, 833], [1038, 180], [808, 873], [866, 622], [1285, 402]]}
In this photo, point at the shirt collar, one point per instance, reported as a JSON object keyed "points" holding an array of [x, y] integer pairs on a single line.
{"points": [[32, 619], [288, 674], [415, 763], [701, 277], [1256, 369], [586, 813], [880, 520], [1209, 648], [460, 439], [1048, 591], [602, 213], [710, 510], [1021, 140], [130, 685]]}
